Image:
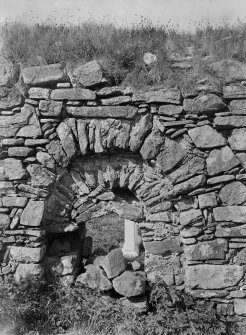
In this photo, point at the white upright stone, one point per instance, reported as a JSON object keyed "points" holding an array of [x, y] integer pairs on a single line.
{"points": [[130, 247]]}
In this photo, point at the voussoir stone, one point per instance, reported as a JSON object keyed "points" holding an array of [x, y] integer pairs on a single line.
{"points": [[152, 144], [76, 93], [10, 98], [209, 276], [31, 128], [233, 193], [229, 70], [230, 213], [117, 112], [139, 132], [43, 75], [193, 166], [32, 215], [67, 140], [40, 176], [55, 149], [237, 140], [163, 248], [94, 278], [205, 103], [130, 284], [221, 160], [114, 263], [189, 185], [89, 74], [215, 249], [171, 154], [27, 255], [206, 137], [46, 160], [12, 169]]}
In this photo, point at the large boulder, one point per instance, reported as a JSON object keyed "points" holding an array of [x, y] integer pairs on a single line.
{"points": [[229, 70], [43, 75], [206, 137], [130, 284], [8, 72], [233, 193], [140, 131], [89, 74], [94, 278], [208, 276], [10, 97], [114, 263], [221, 160]]}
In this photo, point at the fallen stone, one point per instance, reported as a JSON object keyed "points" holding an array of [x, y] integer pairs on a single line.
{"points": [[43, 75], [140, 131], [9, 72], [215, 249], [12, 169], [207, 200], [163, 248], [237, 140], [94, 278], [27, 255], [76, 93], [89, 74], [221, 160], [238, 231], [28, 274], [32, 214], [240, 306], [205, 103], [171, 154], [4, 221], [170, 95], [170, 110], [229, 70], [67, 140], [234, 121], [39, 93], [190, 217], [14, 201], [208, 276], [233, 193], [50, 108], [234, 92], [149, 58], [230, 213], [9, 98], [130, 284], [206, 137], [114, 264], [20, 151], [152, 145], [238, 107], [117, 112]]}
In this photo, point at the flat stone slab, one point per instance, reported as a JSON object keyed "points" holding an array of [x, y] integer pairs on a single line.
{"points": [[238, 231], [43, 75], [164, 248], [230, 214], [208, 276], [191, 216], [76, 93], [238, 107], [27, 255], [234, 91], [171, 95], [237, 139], [206, 137], [39, 93], [117, 112], [215, 249], [170, 110], [221, 160]]}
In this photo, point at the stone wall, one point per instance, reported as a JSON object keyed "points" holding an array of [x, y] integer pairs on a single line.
{"points": [[69, 140]]}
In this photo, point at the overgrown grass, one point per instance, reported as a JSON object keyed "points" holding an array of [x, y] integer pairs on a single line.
{"points": [[79, 311], [120, 50]]}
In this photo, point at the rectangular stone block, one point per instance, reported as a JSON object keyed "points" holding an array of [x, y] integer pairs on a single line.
{"points": [[14, 201], [27, 255], [33, 214], [117, 112], [39, 93], [230, 213], [234, 91], [43, 75], [215, 249], [73, 94], [238, 231]]}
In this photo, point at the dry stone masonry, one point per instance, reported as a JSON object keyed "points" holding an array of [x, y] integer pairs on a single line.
{"points": [[69, 141]]}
